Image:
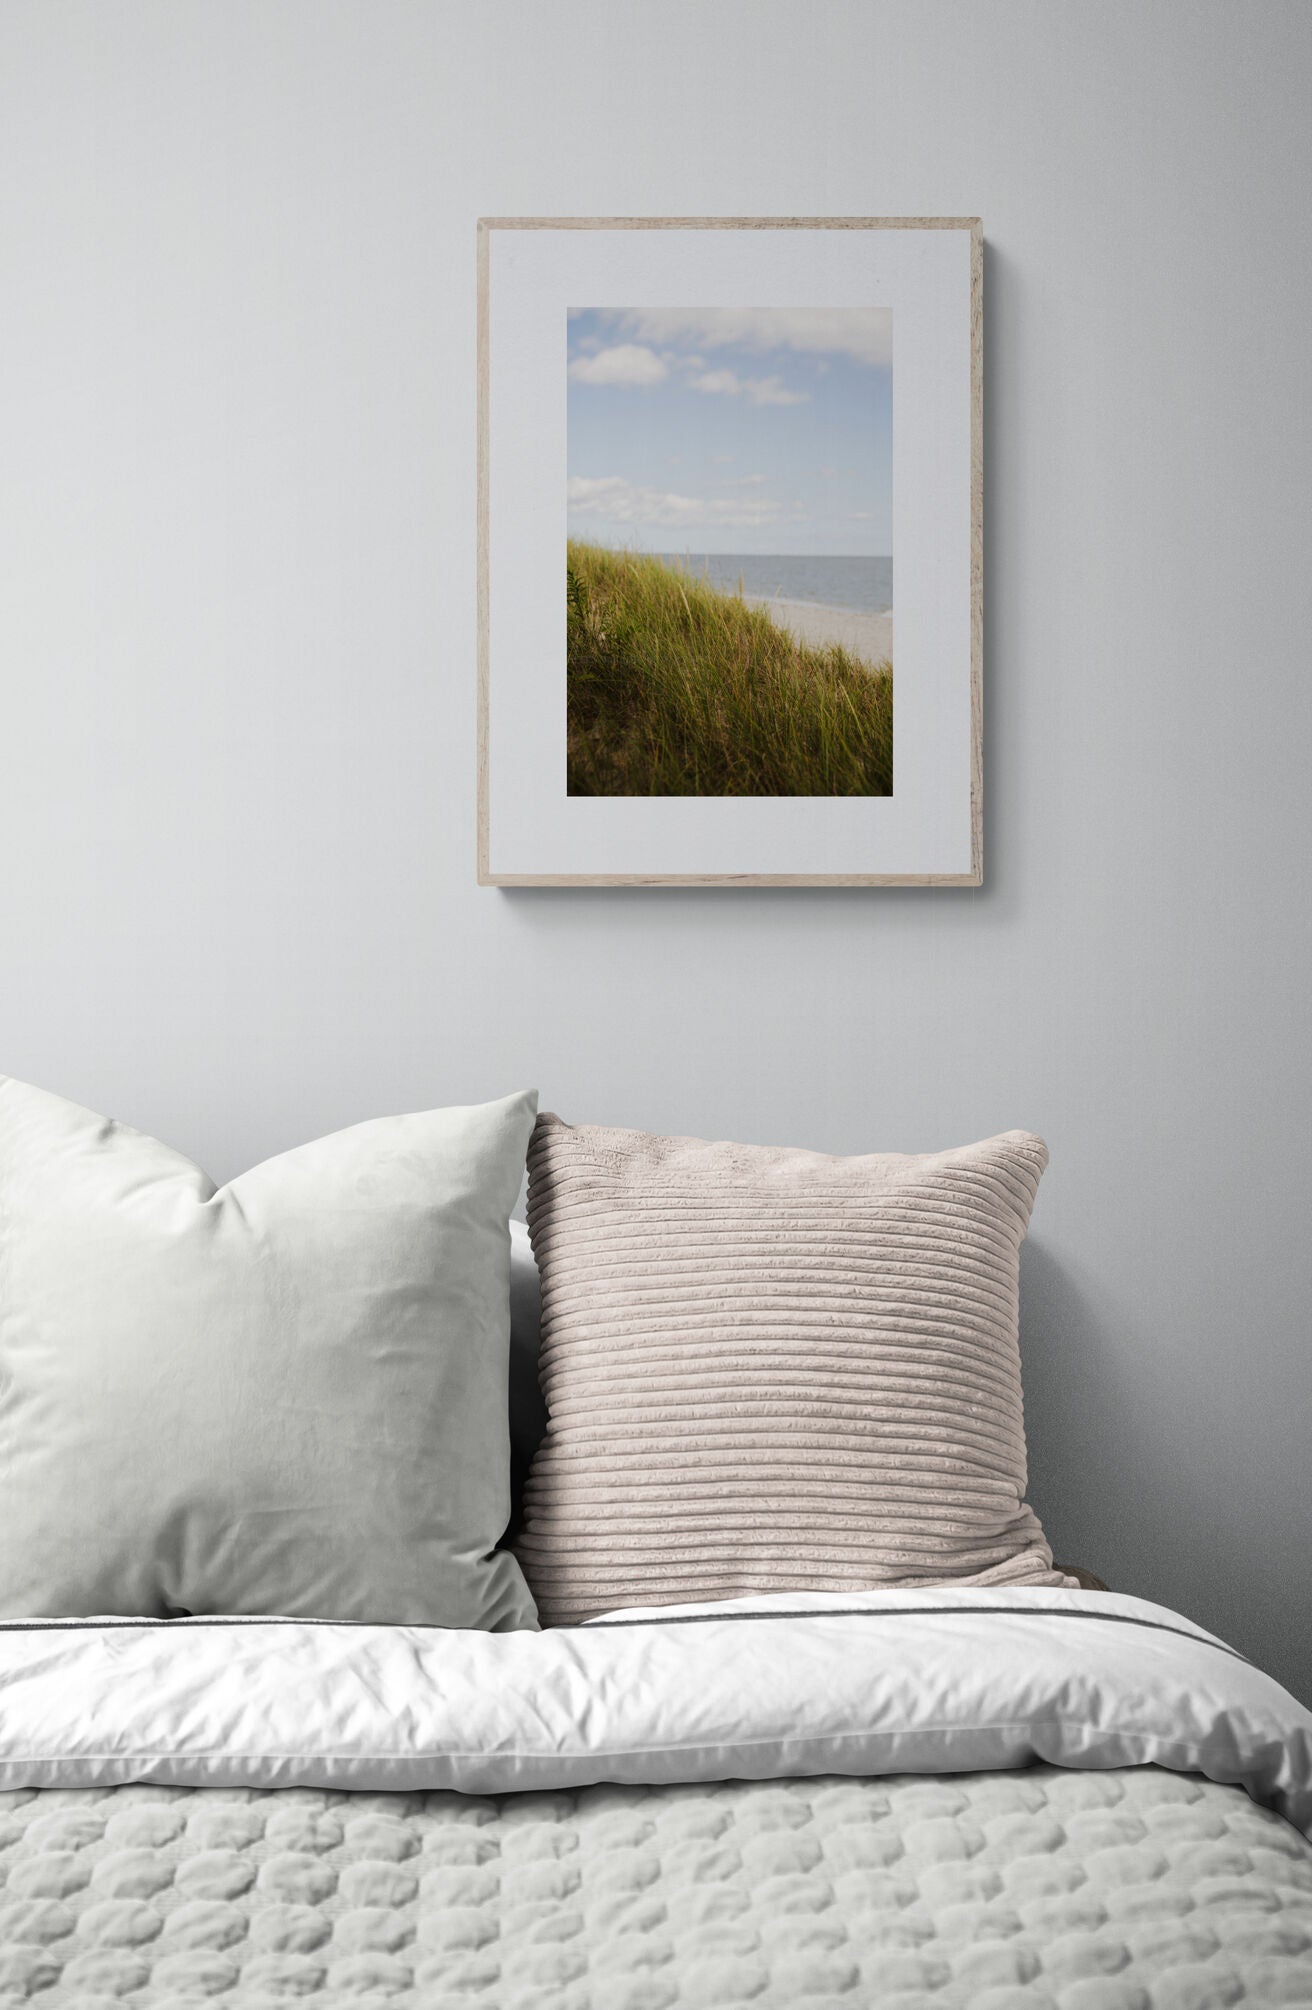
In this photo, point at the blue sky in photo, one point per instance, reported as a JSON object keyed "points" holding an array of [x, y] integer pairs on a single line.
{"points": [[732, 429]]}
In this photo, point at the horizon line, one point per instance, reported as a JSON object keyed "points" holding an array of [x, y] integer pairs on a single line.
{"points": [[650, 551]]}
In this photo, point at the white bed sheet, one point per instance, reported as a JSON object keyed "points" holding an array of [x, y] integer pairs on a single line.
{"points": [[879, 1683]]}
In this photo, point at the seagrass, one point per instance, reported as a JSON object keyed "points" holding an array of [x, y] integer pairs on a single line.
{"points": [[771, 1370]]}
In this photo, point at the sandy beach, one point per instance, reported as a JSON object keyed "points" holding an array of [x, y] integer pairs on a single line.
{"points": [[867, 636]]}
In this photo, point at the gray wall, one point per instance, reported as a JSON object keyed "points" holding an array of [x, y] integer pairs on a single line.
{"points": [[237, 647]]}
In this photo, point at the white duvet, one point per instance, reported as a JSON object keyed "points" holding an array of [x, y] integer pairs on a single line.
{"points": [[876, 1683]]}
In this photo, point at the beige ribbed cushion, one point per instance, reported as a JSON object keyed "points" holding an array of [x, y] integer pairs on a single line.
{"points": [[771, 1370]]}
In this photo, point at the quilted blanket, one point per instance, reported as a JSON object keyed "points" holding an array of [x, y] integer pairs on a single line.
{"points": [[989, 1891], [1042, 1800]]}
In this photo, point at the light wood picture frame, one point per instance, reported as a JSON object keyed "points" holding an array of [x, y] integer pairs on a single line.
{"points": [[611, 347]]}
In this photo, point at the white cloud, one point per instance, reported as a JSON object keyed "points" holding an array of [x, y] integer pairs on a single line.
{"points": [[632, 363], [757, 390], [627, 363], [865, 334], [618, 500]]}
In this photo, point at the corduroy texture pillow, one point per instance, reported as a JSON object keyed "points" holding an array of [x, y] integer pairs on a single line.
{"points": [[775, 1371], [284, 1396]]}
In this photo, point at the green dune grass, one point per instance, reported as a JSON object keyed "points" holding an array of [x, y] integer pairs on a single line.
{"points": [[676, 689]]}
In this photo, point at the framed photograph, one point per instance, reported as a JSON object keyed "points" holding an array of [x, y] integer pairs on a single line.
{"points": [[730, 551]]}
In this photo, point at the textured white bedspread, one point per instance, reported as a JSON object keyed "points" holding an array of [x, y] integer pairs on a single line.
{"points": [[1043, 1890], [881, 1683], [298, 1836]]}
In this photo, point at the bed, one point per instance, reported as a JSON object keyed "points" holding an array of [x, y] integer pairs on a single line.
{"points": [[770, 1694], [971, 1800]]}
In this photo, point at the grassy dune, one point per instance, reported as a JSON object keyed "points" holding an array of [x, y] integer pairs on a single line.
{"points": [[675, 689]]}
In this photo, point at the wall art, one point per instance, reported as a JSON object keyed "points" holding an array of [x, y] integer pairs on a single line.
{"points": [[730, 551]]}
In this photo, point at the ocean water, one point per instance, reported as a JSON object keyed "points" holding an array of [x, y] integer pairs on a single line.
{"points": [[865, 584]]}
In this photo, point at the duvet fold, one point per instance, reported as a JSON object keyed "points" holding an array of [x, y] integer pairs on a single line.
{"points": [[860, 1685]]}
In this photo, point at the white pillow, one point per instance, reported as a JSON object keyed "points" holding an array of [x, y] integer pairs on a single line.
{"points": [[284, 1396]]}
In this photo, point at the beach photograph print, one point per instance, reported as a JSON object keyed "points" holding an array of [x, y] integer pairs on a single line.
{"points": [[729, 571]]}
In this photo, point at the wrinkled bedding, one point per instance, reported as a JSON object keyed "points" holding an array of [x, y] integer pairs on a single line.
{"points": [[1035, 1800]]}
